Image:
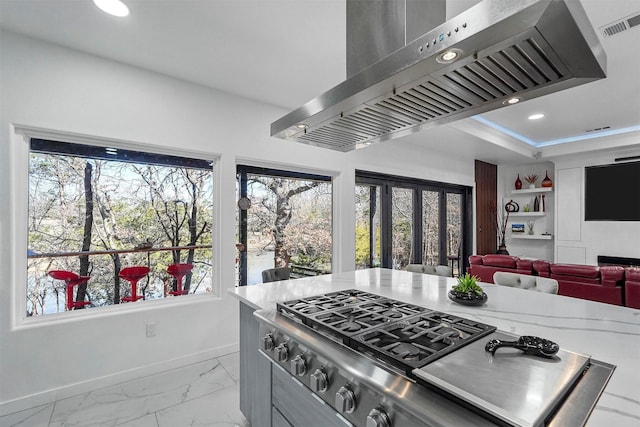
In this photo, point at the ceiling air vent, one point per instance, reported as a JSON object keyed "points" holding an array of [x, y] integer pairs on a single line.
{"points": [[601, 128], [621, 25]]}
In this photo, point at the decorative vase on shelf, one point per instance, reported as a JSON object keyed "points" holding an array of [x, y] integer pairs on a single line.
{"points": [[546, 182], [530, 227], [536, 204], [531, 179], [518, 183]]}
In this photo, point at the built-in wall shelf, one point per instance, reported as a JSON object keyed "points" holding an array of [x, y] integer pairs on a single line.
{"points": [[532, 190], [532, 236], [512, 214]]}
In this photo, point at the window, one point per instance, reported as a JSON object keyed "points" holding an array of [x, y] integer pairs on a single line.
{"points": [[402, 235], [367, 226], [401, 221], [430, 227], [284, 220], [95, 212]]}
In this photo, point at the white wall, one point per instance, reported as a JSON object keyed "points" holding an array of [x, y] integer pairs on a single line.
{"points": [[582, 241], [60, 90], [507, 175]]}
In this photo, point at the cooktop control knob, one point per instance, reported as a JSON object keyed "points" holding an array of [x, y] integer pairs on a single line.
{"points": [[378, 418], [298, 365], [266, 342], [319, 381], [282, 353], [345, 400]]}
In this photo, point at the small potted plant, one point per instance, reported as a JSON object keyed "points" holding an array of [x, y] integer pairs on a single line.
{"points": [[531, 179], [467, 291]]}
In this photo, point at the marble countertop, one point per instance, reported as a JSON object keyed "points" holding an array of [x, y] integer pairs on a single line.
{"points": [[606, 332]]}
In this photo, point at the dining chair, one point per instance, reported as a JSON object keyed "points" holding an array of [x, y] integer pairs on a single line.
{"points": [[276, 274], [438, 270], [525, 281]]}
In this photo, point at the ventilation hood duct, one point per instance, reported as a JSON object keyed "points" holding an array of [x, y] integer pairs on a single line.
{"points": [[506, 50]]}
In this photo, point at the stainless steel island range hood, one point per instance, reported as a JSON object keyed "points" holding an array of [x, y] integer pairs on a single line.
{"points": [[496, 53]]}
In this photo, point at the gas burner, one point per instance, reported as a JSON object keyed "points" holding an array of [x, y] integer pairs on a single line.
{"points": [[392, 313], [420, 339], [350, 326], [311, 309], [352, 296], [406, 351], [450, 332], [347, 320], [393, 309]]}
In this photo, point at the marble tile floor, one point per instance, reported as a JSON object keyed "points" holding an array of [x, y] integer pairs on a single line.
{"points": [[201, 394]]}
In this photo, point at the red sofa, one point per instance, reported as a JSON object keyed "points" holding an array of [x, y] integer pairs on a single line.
{"points": [[632, 287], [602, 284], [484, 266]]}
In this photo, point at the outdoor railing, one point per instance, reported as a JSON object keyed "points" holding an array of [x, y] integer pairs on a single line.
{"points": [[46, 295], [114, 251], [298, 271]]}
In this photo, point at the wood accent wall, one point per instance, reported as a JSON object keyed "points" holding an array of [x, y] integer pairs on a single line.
{"points": [[486, 177]]}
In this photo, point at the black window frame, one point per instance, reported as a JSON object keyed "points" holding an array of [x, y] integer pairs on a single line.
{"points": [[241, 175], [387, 182]]}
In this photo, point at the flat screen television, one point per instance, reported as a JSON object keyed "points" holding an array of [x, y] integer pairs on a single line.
{"points": [[612, 192]]}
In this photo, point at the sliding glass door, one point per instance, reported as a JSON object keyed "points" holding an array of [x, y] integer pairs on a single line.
{"points": [[368, 251], [454, 230], [401, 221], [430, 227], [402, 230]]}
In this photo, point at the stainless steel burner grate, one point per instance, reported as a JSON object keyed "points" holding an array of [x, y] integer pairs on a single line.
{"points": [[404, 335]]}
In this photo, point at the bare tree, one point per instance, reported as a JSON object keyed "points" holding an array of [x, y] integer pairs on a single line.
{"points": [[82, 205], [195, 181], [283, 189], [177, 218], [88, 227]]}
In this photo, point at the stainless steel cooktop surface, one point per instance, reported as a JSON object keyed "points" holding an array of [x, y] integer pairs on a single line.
{"points": [[520, 389]]}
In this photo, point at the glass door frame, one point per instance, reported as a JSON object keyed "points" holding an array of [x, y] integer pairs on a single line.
{"points": [[387, 182]]}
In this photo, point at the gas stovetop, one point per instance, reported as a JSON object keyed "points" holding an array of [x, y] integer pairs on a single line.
{"points": [[404, 335], [383, 362]]}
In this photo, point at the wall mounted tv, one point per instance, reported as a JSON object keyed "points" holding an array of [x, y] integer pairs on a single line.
{"points": [[612, 192]]}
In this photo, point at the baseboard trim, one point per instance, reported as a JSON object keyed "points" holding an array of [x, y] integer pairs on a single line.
{"points": [[49, 396]]}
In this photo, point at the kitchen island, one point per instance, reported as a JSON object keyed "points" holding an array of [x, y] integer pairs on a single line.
{"points": [[605, 332]]}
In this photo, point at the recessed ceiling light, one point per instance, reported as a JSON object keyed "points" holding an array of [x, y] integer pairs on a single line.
{"points": [[512, 101], [536, 116], [112, 7]]}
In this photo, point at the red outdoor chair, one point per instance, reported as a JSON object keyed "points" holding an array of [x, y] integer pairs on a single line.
{"points": [[132, 275], [71, 279], [179, 271]]}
